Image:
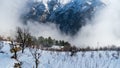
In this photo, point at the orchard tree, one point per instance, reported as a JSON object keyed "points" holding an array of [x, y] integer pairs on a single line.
{"points": [[24, 38], [14, 49], [36, 55]]}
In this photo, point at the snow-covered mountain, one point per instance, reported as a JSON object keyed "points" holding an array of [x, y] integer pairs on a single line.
{"points": [[69, 15], [54, 59]]}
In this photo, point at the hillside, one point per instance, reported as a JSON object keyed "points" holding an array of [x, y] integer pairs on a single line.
{"points": [[69, 17], [54, 59]]}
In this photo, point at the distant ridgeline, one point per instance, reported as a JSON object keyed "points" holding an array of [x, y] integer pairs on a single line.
{"points": [[69, 17]]}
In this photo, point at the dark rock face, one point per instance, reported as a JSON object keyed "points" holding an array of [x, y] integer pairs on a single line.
{"points": [[69, 17]]}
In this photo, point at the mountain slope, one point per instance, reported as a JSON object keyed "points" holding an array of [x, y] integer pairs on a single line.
{"points": [[54, 59], [89, 59], [69, 17]]}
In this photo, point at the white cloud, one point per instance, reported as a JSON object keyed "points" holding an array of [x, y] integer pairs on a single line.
{"points": [[103, 30]]}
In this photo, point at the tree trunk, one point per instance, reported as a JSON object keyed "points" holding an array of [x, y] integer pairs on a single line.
{"points": [[15, 55], [22, 50], [23, 47], [36, 62]]}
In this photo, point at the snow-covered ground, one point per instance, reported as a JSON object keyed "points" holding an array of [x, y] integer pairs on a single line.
{"points": [[52, 59], [100, 59], [5, 56]]}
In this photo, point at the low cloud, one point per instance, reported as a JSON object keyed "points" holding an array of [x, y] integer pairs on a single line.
{"points": [[103, 30]]}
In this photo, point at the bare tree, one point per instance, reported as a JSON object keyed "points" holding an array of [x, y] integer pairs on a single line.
{"points": [[23, 37], [36, 55], [1, 38], [14, 49]]}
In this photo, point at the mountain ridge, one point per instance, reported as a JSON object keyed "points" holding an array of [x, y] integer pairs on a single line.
{"points": [[69, 17]]}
